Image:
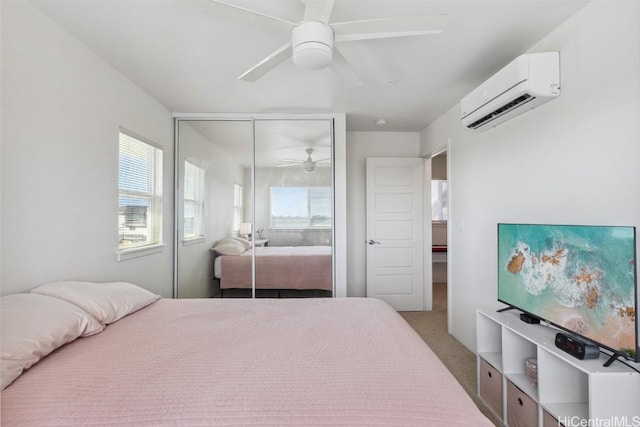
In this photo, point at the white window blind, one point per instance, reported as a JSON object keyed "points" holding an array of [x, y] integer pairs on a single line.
{"points": [[237, 207], [193, 207], [140, 192], [300, 207]]}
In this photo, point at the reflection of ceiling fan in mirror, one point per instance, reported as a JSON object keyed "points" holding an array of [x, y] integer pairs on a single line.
{"points": [[309, 164], [313, 39]]}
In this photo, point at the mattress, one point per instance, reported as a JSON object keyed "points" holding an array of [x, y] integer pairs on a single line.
{"points": [[347, 361], [278, 267]]}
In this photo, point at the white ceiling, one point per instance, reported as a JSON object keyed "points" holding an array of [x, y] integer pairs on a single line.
{"points": [[188, 56]]}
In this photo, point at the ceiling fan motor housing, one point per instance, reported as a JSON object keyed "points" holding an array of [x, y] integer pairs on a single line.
{"points": [[309, 166], [312, 45]]}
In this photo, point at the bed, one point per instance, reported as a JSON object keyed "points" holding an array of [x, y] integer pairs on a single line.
{"points": [[277, 267], [346, 361]]}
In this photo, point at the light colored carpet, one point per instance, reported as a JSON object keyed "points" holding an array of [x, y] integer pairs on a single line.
{"points": [[432, 327]]}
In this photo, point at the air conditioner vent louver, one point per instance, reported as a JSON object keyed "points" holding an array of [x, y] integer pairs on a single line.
{"points": [[527, 82], [502, 110]]}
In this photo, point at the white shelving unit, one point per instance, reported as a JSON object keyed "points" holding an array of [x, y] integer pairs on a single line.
{"points": [[568, 388]]}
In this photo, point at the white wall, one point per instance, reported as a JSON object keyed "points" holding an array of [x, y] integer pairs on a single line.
{"points": [[361, 145], [62, 106], [573, 160]]}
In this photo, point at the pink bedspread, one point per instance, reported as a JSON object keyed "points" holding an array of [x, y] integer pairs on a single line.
{"points": [[280, 267], [346, 361]]}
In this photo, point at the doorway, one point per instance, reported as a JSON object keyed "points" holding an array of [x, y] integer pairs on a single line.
{"points": [[395, 224], [439, 228]]}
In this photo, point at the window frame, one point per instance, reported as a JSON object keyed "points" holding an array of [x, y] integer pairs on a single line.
{"points": [[154, 198], [238, 207], [197, 202], [309, 225], [439, 201]]}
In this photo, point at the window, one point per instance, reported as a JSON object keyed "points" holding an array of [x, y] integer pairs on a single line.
{"points": [[193, 207], [300, 207], [237, 207], [140, 193], [439, 200]]}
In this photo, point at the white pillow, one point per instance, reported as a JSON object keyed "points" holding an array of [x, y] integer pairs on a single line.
{"points": [[32, 326], [230, 247], [107, 302], [247, 243]]}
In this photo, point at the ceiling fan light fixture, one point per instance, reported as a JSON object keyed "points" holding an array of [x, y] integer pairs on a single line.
{"points": [[309, 167], [312, 45]]}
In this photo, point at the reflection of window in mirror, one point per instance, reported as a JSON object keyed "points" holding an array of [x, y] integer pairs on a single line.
{"points": [[439, 200], [193, 201], [300, 207], [237, 207]]}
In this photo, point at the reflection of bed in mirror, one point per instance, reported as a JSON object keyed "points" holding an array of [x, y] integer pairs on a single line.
{"points": [[300, 268]]}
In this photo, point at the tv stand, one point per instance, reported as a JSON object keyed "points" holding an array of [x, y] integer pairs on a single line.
{"points": [[568, 389], [504, 309], [612, 359]]}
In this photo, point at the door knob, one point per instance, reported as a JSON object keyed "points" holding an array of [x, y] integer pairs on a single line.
{"points": [[373, 242]]}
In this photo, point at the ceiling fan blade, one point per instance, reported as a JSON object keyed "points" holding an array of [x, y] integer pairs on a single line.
{"points": [[287, 165], [267, 64], [389, 27], [318, 10], [322, 160], [343, 69], [292, 161], [229, 7]]}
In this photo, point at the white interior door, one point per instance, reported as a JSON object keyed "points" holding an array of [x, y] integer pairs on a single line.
{"points": [[395, 231]]}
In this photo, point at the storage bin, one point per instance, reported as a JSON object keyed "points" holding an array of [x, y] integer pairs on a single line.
{"points": [[549, 420], [491, 387], [522, 410]]}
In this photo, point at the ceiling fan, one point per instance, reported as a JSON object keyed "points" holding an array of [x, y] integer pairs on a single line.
{"points": [[309, 164], [312, 39]]}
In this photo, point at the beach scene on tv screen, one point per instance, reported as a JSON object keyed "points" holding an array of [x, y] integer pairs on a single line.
{"points": [[581, 278]]}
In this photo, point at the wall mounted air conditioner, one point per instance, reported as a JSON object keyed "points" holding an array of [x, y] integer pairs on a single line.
{"points": [[526, 82]]}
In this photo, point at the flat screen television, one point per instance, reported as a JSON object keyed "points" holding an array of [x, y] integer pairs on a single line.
{"points": [[580, 278]]}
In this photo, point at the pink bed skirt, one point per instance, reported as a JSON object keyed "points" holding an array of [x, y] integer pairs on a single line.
{"points": [[280, 267]]}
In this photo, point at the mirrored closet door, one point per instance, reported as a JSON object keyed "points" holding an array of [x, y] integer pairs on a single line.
{"points": [[254, 208], [293, 208]]}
